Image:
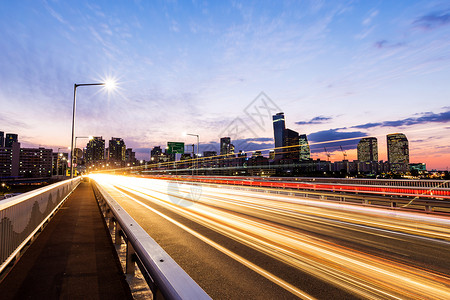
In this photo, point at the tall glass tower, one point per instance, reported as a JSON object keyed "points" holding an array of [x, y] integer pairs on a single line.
{"points": [[291, 142], [305, 152], [278, 132], [398, 152]]}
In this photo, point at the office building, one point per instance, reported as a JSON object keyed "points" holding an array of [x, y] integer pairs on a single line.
{"points": [[398, 152], [367, 149], [117, 150], [291, 145], [2, 139], [10, 139], [225, 146], [278, 132], [305, 152], [95, 150]]}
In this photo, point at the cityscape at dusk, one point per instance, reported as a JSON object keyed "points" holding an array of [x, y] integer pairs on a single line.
{"points": [[340, 70], [199, 149]]}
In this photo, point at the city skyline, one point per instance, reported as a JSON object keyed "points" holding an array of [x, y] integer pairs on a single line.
{"points": [[339, 70]]}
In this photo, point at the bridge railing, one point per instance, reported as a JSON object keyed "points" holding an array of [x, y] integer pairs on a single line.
{"points": [[22, 216], [163, 275]]}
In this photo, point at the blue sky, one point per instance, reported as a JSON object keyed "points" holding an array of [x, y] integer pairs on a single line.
{"points": [[338, 69]]}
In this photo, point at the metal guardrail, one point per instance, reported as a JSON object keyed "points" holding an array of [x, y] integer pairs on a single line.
{"points": [[395, 202], [22, 216], [163, 275]]}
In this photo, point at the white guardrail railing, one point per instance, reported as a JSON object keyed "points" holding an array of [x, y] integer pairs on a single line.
{"points": [[163, 275], [22, 216]]}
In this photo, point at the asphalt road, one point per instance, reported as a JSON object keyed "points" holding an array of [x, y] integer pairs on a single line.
{"points": [[254, 245]]}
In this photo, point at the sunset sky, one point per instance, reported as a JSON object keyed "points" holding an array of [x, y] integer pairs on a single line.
{"points": [[339, 70]]}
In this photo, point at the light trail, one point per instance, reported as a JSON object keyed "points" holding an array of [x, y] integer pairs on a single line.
{"points": [[231, 254], [362, 273]]}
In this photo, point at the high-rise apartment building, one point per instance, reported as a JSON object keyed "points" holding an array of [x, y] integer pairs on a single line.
{"points": [[10, 139], [95, 150], [305, 152], [35, 163], [225, 146], [367, 149], [9, 161], [117, 149], [278, 132], [398, 152]]}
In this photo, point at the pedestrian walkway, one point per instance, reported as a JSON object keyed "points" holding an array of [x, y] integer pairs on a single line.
{"points": [[72, 258]]}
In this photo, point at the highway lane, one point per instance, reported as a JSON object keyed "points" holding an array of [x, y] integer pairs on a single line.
{"points": [[316, 248]]}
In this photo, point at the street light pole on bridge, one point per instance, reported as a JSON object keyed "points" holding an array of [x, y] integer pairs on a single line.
{"points": [[108, 84]]}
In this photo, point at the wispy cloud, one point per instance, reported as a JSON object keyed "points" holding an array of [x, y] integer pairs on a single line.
{"points": [[433, 20], [315, 120], [8, 122], [386, 44], [371, 16], [427, 117]]}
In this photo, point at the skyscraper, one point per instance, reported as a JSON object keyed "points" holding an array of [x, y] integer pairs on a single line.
{"points": [[398, 152], [368, 149], [225, 146], [278, 132], [95, 150], [10, 139], [117, 149], [305, 152], [291, 146]]}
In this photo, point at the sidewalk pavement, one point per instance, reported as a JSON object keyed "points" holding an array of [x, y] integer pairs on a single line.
{"points": [[72, 258]]}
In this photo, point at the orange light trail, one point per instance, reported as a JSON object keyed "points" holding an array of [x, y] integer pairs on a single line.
{"points": [[267, 222]]}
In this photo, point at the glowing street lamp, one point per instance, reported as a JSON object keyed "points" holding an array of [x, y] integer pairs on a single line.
{"points": [[108, 84]]}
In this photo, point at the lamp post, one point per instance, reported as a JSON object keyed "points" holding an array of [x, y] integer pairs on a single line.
{"points": [[198, 144], [108, 85]]}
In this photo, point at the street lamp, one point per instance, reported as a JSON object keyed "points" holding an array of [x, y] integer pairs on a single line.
{"points": [[107, 84], [198, 144]]}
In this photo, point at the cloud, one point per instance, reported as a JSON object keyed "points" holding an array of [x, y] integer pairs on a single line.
{"points": [[369, 19], [433, 20], [9, 122], [315, 120], [386, 44], [334, 138], [427, 117]]}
